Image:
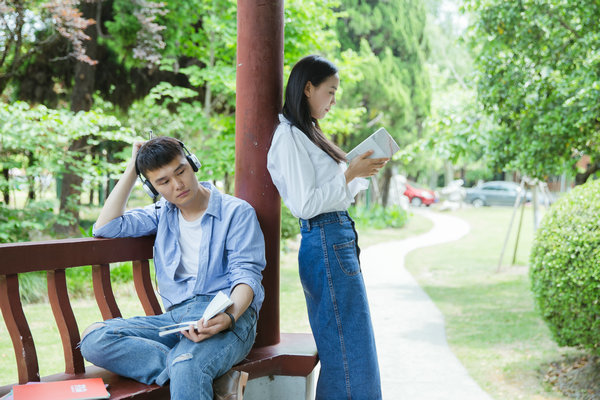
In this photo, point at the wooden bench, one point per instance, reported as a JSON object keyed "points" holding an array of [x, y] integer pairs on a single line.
{"points": [[294, 355]]}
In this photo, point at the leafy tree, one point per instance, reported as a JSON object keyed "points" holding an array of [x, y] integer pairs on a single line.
{"points": [[456, 132], [540, 80], [390, 39], [44, 135], [28, 28], [390, 36], [124, 50]]}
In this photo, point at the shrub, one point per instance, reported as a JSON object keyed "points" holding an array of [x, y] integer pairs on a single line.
{"points": [[373, 217], [378, 217], [33, 285], [289, 224], [565, 268], [16, 225]]}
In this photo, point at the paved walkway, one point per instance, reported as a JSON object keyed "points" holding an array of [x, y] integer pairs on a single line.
{"points": [[415, 360]]}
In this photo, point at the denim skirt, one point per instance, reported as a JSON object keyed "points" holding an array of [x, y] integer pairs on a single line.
{"points": [[338, 308]]}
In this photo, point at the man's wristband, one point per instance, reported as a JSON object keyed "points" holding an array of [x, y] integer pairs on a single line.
{"points": [[232, 326]]}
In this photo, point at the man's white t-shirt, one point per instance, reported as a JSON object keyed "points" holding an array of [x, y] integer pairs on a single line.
{"points": [[190, 236]]}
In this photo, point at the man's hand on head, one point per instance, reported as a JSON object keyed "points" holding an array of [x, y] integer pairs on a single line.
{"points": [[135, 148]]}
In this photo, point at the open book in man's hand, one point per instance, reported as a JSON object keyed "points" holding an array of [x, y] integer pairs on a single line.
{"points": [[381, 142], [217, 305]]}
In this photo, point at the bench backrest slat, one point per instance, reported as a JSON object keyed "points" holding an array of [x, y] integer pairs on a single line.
{"points": [[16, 323], [103, 292], [144, 288], [65, 321]]}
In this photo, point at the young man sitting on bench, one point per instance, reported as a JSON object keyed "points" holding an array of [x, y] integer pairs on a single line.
{"points": [[206, 242]]}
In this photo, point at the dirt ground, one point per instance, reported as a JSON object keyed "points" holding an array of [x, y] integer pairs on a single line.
{"points": [[576, 378]]}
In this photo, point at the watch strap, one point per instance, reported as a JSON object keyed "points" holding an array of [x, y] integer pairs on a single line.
{"points": [[232, 326]]}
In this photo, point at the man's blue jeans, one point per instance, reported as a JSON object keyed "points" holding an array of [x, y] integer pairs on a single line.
{"points": [[132, 348], [338, 309]]}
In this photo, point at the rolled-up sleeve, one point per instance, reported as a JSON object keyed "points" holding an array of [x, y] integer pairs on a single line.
{"points": [[133, 223], [246, 254]]}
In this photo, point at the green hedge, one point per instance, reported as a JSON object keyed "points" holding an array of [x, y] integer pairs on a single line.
{"points": [[373, 217], [289, 224], [565, 268], [378, 217], [17, 224]]}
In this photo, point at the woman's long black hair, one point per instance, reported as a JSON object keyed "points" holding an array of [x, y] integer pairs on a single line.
{"points": [[313, 69]]}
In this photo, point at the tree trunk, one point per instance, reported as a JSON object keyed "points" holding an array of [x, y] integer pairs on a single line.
{"points": [[6, 191], [448, 172], [227, 184], [591, 169], [385, 185], [81, 100], [30, 178], [536, 207]]}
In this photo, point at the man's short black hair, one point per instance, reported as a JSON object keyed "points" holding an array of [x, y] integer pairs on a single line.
{"points": [[157, 153]]}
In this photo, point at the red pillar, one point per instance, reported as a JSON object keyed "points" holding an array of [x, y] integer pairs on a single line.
{"points": [[259, 87]]}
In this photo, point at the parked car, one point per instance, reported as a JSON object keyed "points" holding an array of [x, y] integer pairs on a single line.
{"points": [[418, 195], [495, 193]]}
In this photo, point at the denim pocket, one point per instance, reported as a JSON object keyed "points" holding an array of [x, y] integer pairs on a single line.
{"points": [[245, 324], [347, 257]]}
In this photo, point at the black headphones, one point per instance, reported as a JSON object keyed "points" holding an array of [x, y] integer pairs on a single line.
{"points": [[147, 186]]}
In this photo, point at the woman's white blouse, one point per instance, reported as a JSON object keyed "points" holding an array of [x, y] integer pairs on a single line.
{"points": [[309, 181]]}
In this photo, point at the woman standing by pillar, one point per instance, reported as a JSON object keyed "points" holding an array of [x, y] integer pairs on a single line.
{"points": [[317, 186]]}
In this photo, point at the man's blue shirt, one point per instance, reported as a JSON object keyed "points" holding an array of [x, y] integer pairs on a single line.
{"points": [[232, 249]]}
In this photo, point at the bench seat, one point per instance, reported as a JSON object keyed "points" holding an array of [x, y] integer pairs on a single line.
{"points": [[295, 355]]}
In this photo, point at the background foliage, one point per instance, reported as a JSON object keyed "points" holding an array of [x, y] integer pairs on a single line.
{"points": [[539, 79], [83, 80]]}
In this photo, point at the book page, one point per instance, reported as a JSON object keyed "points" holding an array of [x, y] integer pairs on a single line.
{"points": [[183, 326], [386, 143], [381, 142], [217, 305]]}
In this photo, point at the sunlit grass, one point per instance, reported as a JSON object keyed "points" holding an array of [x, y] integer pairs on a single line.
{"points": [[491, 322]]}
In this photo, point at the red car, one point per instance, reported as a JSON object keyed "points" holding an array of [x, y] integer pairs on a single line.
{"points": [[418, 196]]}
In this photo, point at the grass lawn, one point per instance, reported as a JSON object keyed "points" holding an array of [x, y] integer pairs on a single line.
{"points": [[491, 323]]}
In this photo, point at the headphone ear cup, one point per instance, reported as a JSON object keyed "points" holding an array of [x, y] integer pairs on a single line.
{"points": [[194, 162], [149, 189]]}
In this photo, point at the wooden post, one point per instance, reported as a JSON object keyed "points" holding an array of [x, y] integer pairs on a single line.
{"points": [[259, 89]]}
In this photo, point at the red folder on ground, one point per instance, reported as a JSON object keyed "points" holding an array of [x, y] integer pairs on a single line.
{"points": [[92, 388]]}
